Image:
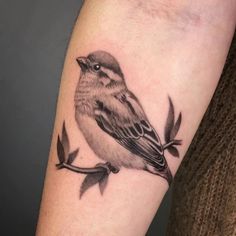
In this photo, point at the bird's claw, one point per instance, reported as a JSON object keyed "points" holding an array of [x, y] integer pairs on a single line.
{"points": [[105, 166], [113, 169], [108, 168]]}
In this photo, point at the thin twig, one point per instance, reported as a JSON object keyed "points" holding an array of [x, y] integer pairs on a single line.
{"points": [[171, 143], [84, 170], [81, 170]]}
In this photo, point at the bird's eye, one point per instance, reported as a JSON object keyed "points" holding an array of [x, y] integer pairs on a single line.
{"points": [[96, 67]]}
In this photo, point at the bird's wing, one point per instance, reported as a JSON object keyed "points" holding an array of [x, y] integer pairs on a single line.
{"points": [[129, 126]]}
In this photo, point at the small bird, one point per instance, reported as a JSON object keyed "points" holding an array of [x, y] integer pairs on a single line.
{"points": [[112, 119]]}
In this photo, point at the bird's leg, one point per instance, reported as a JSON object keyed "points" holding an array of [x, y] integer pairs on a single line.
{"points": [[108, 167], [113, 169]]}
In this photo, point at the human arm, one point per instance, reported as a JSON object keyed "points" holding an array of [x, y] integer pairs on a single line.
{"points": [[163, 49]]}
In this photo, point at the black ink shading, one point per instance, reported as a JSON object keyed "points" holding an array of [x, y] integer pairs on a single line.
{"points": [[171, 130], [115, 125]]}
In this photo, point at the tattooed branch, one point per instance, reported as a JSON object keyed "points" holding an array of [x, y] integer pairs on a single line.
{"points": [[98, 174]]}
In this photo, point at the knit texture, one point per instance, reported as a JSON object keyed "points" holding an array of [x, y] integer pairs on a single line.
{"points": [[204, 191]]}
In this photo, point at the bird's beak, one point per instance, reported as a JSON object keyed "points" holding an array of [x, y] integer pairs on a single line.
{"points": [[82, 61]]}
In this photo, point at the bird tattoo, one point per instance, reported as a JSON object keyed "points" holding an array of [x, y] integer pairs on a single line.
{"points": [[114, 123]]}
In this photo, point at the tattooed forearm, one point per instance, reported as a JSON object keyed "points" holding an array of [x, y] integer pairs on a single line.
{"points": [[115, 125]]}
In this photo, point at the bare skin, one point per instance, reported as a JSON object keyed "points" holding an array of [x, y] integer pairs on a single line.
{"points": [[164, 48]]}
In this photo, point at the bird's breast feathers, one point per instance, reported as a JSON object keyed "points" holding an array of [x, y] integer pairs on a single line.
{"points": [[105, 146]]}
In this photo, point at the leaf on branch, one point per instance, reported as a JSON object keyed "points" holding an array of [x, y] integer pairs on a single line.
{"points": [[103, 183], [65, 140], [175, 129], [173, 151], [169, 122], [60, 150], [72, 156], [90, 180]]}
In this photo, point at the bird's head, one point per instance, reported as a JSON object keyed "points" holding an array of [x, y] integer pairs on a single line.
{"points": [[100, 69]]}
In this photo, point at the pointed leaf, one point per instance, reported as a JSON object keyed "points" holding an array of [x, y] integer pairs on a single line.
{"points": [[170, 121], [103, 183], [90, 180], [65, 140], [176, 127], [60, 150], [72, 156], [173, 151]]}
